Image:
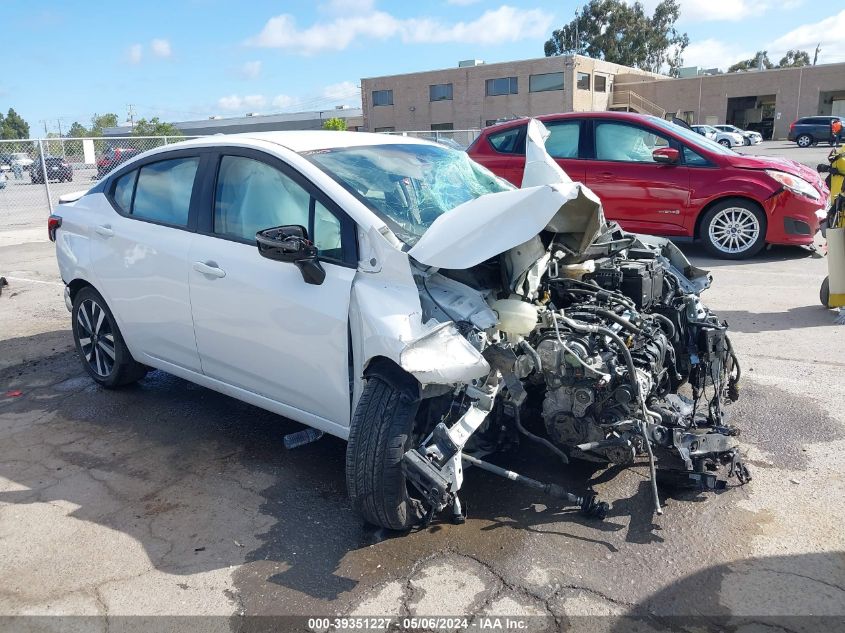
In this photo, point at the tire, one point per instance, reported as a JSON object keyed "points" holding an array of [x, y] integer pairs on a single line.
{"points": [[746, 141], [380, 433], [93, 321], [824, 292], [725, 142], [804, 140], [733, 229]]}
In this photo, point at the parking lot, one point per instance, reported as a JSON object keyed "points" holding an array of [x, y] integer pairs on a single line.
{"points": [[181, 501]]}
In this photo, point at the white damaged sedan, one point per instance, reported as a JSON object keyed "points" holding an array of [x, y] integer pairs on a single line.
{"points": [[392, 292]]}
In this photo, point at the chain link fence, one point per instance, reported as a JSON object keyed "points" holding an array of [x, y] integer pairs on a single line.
{"points": [[459, 139], [34, 173]]}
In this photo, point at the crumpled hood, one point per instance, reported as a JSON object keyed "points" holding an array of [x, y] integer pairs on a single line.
{"points": [[781, 164], [482, 228]]}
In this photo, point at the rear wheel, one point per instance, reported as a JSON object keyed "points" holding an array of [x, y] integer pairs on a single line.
{"points": [[734, 229], [805, 140], [99, 343], [824, 292], [381, 431]]}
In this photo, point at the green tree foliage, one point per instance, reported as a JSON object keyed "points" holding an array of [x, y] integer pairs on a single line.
{"points": [[623, 33], [794, 59], [334, 123], [154, 127], [101, 121], [753, 63], [12, 126], [77, 130]]}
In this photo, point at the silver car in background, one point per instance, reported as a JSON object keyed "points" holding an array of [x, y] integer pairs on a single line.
{"points": [[749, 136]]}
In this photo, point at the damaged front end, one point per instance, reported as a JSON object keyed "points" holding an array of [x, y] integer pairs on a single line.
{"points": [[538, 310]]}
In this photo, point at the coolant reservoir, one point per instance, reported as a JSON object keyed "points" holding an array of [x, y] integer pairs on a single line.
{"points": [[515, 317], [577, 271]]}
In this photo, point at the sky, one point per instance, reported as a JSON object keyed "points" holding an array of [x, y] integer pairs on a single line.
{"points": [[191, 59]]}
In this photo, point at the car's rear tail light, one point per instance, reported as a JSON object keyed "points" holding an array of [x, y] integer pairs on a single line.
{"points": [[53, 223], [792, 126]]}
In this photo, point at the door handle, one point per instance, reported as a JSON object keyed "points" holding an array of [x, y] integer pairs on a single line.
{"points": [[604, 175], [210, 269], [105, 230]]}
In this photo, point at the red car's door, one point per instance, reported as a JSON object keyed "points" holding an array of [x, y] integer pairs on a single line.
{"points": [[640, 194]]}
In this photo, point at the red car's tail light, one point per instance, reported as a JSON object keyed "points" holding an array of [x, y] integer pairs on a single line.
{"points": [[53, 223]]}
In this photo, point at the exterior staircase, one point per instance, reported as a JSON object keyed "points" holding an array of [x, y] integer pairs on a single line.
{"points": [[630, 101]]}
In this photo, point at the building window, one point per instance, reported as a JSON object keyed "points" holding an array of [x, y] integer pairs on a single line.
{"points": [[688, 116], [440, 92], [382, 97], [502, 86], [442, 126], [490, 122], [544, 82], [385, 129], [600, 83], [583, 81]]}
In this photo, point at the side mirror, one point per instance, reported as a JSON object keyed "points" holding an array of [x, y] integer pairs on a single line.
{"points": [[291, 244], [666, 156]]}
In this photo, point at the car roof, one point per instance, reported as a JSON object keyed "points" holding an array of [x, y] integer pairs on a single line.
{"points": [[633, 117], [307, 140]]}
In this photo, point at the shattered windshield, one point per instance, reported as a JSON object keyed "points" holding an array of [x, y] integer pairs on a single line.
{"points": [[408, 186]]}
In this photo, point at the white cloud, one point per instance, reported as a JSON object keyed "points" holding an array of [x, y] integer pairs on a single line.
{"points": [[827, 32], [505, 24], [135, 53], [344, 92], [713, 53], [250, 70], [160, 48], [343, 7], [284, 101], [238, 102]]}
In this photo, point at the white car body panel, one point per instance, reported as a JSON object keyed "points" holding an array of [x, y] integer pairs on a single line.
{"points": [[260, 333], [254, 326], [141, 269]]}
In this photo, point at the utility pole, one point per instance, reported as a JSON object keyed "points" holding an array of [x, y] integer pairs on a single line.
{"points": [[577, 39], [816, 56], [131, 114]]}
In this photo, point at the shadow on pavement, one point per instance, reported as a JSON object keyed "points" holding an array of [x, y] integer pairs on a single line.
{"points": [[802, 593]]}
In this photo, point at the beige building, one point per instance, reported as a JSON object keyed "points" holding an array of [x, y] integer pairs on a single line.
{"points": [[765, 100], [475, 94]]}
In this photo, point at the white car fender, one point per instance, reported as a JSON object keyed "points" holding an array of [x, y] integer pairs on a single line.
{"points": [[385, 320]]}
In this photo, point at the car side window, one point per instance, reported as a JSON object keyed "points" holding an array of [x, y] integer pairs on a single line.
{"points": [[510, 141], [694, 159], [124, 187], [563, 139], [622, 142], [163, 191], [252, 196], [327, 232]]}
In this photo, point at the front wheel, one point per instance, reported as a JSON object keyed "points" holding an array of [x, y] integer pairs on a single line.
{"points": [[99, 343], [381, 432], [805, 140], [725, 142], [734, 229], [746, 141]]}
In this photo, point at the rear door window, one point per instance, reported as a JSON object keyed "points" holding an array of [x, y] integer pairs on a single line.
{"points": [[163, 191], [564, 139], [510, 141]]}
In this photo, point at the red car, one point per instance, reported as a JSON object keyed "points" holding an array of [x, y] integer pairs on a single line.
{"points": [[661, 178], [113, 157]]}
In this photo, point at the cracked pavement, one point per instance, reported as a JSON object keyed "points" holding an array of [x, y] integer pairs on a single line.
{"points": [[169, 499]]}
